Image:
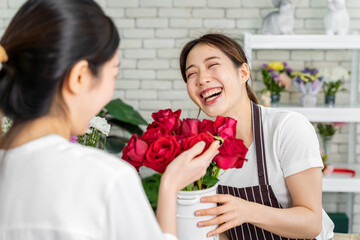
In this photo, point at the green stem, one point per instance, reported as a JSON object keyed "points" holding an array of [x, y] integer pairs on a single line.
{"points": [[104, 143], [217, 171], [199, 184]]}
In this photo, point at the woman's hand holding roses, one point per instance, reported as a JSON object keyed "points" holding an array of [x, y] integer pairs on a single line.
{"points": [[189, 166]]}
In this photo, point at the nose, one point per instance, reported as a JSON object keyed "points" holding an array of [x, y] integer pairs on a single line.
{"points": [[203, 78]]}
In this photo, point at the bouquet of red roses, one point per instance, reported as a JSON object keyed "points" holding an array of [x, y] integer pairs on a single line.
{"points": [[168, 136]]}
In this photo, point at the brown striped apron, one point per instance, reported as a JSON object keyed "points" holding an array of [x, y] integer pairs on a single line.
{"points": [[262, 193]]}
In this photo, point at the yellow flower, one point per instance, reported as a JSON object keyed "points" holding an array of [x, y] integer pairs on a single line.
{"points": [[276, 65]]}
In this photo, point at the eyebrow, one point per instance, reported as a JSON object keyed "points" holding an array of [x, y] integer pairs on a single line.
{"points": [[207, 59]]}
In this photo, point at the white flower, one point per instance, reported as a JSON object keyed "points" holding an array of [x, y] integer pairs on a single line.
{"points": [[100, 124], [334, 74], [6, 123]]}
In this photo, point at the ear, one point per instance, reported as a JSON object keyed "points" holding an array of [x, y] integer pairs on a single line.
{"points": [[78, 78], [244, 72]]}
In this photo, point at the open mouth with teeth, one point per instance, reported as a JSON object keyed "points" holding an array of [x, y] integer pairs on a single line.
{"points": [[211, 94]]}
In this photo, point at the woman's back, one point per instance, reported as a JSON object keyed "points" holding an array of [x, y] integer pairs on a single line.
{"points": [[53, 189]]}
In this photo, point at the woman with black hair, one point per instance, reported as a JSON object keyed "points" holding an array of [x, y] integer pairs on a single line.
{"points": [[59, 65], [277, 194]]}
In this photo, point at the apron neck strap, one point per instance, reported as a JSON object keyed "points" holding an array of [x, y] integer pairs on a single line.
{"points": [[259, 143]]}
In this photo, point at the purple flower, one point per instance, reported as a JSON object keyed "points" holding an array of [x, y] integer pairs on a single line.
{"points": [[315, 84], [285, 64], [270, 70], [306, 70], [74, 139], [275, 76], [289, 70], [264, 65], [314, 71]]}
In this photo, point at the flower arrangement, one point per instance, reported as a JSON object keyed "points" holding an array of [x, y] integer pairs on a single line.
{"points": [[326, 132], [6, 124], [168, 136], [96, 134], [333, 79], [276, 76], [308, 83]]}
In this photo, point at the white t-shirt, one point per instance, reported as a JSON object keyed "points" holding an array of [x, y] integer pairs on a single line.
{"points": [[53, 189], [291, 146]]}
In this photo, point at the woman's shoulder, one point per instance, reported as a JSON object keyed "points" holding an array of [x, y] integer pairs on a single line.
{"points": [[58, 150], [277, 117]]}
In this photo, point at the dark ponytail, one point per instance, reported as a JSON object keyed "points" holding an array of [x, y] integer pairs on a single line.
{"points": [[44, 40]]}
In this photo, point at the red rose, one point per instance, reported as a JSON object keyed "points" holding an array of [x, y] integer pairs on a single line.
{"points": [[225, 127], [207, 126], [168, 119], [161, 153], [152, 134], [187, 143], [190, 126], [152, 125], [231, 154], [134, 152], [180, 138]]}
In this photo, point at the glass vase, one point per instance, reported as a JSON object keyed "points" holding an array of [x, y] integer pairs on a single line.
{"points": [[275, 99], [326, 147], [329, 100]]}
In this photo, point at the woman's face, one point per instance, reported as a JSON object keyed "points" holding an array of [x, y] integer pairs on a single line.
{"points": [[104, 85], [213, 82], [99, 92]]}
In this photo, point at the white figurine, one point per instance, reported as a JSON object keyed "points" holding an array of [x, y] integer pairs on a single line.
{"points": [[266, 98], [337, 18], [279, 22]]}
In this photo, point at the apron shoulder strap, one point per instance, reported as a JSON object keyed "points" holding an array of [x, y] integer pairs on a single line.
{"points": [[259, 143]]}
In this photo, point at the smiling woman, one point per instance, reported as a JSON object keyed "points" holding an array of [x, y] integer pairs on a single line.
{"points": [[278, 192]]}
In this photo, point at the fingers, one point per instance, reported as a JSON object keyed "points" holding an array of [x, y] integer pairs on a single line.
{"points": [[218, 198], [211, 152], [212, 211], [195, 150], [217, 220], [222, 228]]}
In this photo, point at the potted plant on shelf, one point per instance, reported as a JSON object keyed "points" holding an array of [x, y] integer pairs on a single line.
{"points": [[326, 132], [333, 79], [277, 78], [309, 84]]}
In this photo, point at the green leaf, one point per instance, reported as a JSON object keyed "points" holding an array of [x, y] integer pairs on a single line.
{"points": [[151, 186], [124, 112], [131, 128], [209, 181], [115, 144]]}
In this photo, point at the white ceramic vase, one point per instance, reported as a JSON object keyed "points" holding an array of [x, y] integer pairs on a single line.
{"points": [[308, 100], [187, 203]]}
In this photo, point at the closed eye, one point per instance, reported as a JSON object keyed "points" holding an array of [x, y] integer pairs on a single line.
{"points": [[212, 65], [190, 74]]}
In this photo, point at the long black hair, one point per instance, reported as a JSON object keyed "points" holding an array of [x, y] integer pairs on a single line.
{"points": [[44, 40]]}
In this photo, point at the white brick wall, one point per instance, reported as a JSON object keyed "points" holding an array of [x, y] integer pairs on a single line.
{"points": [[154, 31]]}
